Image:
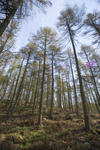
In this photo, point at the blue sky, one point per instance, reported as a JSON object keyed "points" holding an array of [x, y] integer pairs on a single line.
{"points": [[39, 19]]}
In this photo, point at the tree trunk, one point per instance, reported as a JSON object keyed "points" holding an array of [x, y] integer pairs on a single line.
{"points": [[96, 104], [21, 84], [42, 86], [52, 89], [7, 83], [6, 21], [48, 91], [94, 82], [36, 90], [86, 118], [75, 94], [16, 85]]}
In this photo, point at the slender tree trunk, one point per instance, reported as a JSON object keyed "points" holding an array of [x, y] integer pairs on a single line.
{"points": [[27, 98], [52, 89], [10, 91], [20, 86], [7, 83], [42, 86], [71, 103], [88, 97], [64, 101], [48, 92], [15, 88], [94, 82], [69, 98], [86, 117], [36, 90], [96, 104], [75, 94], [60, 93]]}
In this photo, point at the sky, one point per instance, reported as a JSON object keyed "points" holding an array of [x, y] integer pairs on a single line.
{"points": [[39, 19]]}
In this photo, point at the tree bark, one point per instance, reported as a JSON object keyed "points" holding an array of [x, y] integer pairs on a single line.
{"points": [[36, 90], [94, 82], [42, 86], [15, 88], [20, 86], [52, 89], [86, 117], [75, 94]]}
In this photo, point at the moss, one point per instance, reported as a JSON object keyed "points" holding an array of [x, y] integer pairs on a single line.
{"points": [[16, 129], [65, 132], [25, 136], [51, 135], [32, 137], [35, 136], [14, 137]]}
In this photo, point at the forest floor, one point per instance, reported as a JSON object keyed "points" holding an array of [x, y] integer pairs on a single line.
{"points": [[64, 132]]}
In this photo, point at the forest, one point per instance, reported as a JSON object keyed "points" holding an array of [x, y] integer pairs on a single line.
{"points": [[50, 87]]}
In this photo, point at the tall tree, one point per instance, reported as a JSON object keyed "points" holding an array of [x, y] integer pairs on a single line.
{"points": [[44, 38], [86, 49], [39, 57], [54, 50], [75, 93], [31, 47], [69, 22]]}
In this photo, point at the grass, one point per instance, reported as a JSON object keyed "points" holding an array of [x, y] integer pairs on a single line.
{"points": [[64, 133], [25, 136]]}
